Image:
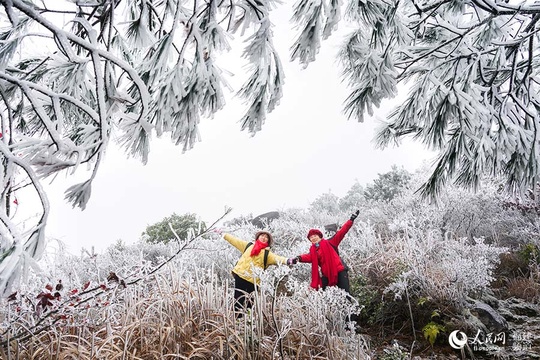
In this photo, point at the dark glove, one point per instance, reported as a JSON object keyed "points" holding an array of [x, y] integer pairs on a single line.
{"points": [[355, 215], [293, 260]]}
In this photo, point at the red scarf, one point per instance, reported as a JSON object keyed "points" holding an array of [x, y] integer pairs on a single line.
{"points": [[329, 266], [256, 249]]}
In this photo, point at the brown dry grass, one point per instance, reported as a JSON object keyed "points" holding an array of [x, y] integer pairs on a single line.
{"points": [[180, 319], [523, 288]]}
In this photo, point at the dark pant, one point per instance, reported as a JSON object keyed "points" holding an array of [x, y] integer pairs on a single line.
{"points": [[342, 281], [242, 290]]}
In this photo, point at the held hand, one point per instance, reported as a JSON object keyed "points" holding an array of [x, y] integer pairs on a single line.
{"points": [[292, 261], [355, 215]]}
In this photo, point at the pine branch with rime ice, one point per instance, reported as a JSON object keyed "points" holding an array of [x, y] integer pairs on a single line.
{"points": [[473, 97], [264, 88]]}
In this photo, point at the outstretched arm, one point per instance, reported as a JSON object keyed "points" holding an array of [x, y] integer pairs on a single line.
{"points": [[305, 258], [236, 242], [274, 259], [340, 234]]}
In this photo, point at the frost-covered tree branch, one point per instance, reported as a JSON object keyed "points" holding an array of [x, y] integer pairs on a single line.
{"points": [[99, 74], [474, 83]]}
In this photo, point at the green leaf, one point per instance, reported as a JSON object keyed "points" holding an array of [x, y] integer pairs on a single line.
{"points": [[431, 331]]}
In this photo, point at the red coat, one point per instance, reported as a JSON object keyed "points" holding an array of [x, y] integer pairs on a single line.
{"points": [[334, 241]]}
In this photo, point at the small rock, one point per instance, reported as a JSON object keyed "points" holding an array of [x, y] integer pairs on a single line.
{"points": [[489, 317], [489, 299], [509, 316], [525, 309]]}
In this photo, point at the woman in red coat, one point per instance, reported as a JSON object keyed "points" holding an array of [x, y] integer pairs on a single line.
{"points": [[323, 253]]}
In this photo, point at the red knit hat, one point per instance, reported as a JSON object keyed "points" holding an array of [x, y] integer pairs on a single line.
{"points": [[314, 232]]}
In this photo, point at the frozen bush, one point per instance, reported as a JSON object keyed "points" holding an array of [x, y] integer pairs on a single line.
{"points": [[448, 271]]}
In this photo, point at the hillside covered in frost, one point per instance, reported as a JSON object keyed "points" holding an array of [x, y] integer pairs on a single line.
{"points": [[419, 271]]}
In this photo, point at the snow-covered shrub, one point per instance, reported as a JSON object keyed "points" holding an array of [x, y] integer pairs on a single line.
{"points": [[448, 270], [127, 262], [360, 242]]}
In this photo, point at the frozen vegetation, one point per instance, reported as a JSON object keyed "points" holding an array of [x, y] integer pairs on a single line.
{"points": [[415, 269]]}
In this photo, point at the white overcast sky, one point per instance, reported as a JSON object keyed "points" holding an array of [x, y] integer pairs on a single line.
{"points": [[307, 147]]}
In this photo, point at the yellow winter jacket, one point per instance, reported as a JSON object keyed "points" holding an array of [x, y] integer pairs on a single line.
{"points": [[243, 266]]}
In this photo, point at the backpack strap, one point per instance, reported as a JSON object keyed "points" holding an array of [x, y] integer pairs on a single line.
{"points": [[266, 252], [247, 245]]}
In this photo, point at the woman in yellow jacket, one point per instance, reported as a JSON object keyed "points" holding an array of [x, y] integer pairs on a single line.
{"points": [[253, 254]]}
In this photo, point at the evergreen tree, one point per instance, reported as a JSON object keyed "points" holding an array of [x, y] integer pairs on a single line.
{"points": [[388, 185], [181, 224], [326, 203], [353, 198]]}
